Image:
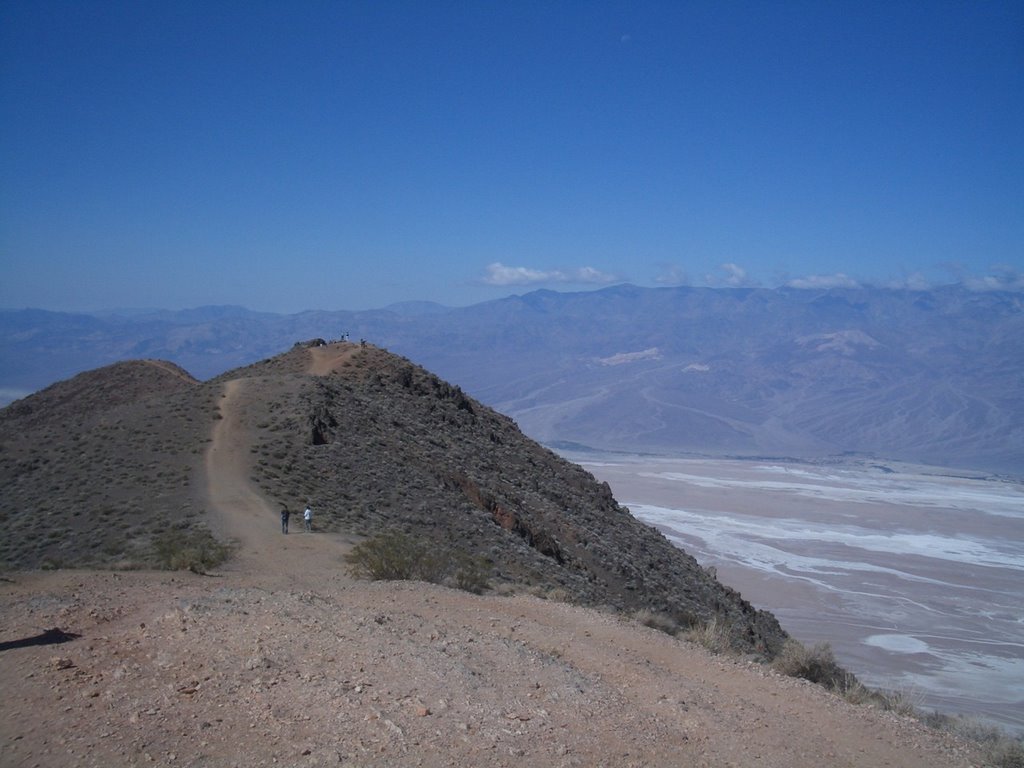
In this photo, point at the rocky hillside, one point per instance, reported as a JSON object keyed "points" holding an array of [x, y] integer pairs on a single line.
{"points": [[93, 471]]}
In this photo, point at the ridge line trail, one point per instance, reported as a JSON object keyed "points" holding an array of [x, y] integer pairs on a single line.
{"points": [[243, 514], [171, 369], [329, 358]]}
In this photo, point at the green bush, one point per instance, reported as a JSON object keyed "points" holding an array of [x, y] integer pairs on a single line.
{"points": [[393, 556], [471, 575], [193, 550]]}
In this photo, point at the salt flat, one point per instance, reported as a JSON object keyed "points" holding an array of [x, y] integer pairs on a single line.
{"points": [[914, 575]]}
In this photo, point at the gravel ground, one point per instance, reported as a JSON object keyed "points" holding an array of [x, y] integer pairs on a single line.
{"points": [[257, 669]]}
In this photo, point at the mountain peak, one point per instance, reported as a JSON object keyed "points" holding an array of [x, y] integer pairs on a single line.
{"points": [[375, 442]]}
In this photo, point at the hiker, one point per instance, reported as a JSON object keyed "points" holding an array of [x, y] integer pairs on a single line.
{"points": [[308, 517], [285, 514]]}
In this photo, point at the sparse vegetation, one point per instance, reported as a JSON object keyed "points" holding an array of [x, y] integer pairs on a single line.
{"points": [[1007, 753], [394, 556], [471, 574], [816, 664], [658, 621], [1001, 750], [713, 635], [192, 550]]}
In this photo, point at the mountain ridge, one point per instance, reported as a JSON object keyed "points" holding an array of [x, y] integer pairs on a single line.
{"points": [[376, 442], [921, 376]]}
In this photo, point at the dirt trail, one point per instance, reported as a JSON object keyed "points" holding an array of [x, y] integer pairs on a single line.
{"points": [[328, 359], [244, 515]]}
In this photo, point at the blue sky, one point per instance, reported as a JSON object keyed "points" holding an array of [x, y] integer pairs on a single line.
{"points": [[347, 155]]}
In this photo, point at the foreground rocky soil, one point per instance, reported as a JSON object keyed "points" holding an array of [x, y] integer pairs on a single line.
{"points": [[252, 668]]}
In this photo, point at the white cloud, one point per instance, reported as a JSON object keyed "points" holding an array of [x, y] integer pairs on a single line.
{"points": [[735, 277], [499, 274], [591, 275], [838, 280], [672, 274], [1004, 279], [912, 282]]}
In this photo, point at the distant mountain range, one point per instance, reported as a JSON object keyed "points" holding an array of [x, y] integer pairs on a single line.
{"points": [[932, 376]]}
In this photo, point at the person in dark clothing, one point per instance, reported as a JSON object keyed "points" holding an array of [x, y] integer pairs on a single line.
{"points": [[285, 514]]}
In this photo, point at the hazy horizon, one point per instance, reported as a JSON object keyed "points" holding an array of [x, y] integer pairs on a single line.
{"points": [[972, 285]]}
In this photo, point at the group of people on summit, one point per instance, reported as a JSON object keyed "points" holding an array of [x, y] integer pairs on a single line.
{"points": [[307, 517]]}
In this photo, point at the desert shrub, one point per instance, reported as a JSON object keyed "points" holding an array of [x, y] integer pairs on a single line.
{"points": [[658, 621], [192, 550], [505, 589], [471, 575], [1007, 753], [111, 548], [715, 635], [1001, 750], [858, 693], [389, 556], [900, 701], [394, 556], [816, 664]]}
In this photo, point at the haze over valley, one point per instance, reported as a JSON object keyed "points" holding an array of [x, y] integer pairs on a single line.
{"points": [[931, 376]]}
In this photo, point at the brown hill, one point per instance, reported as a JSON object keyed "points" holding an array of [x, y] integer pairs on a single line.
{"points": [[100, 390], [94, 468], [283, 659], [94, 471]]}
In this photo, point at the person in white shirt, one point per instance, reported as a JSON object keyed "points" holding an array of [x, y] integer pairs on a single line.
{"points": [[308, 517]]}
